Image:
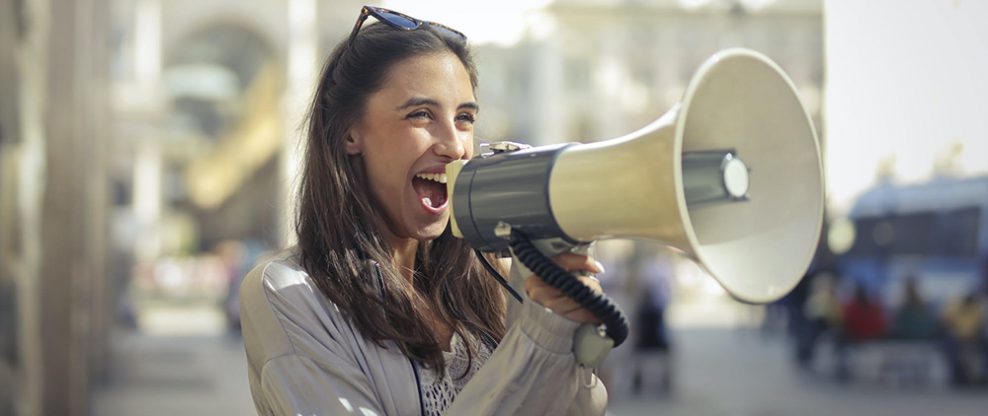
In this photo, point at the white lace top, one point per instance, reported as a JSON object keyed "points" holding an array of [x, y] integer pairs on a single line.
{"points": [[438, 393]]}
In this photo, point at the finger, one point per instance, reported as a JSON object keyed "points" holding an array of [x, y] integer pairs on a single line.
{"points": [[592, 283], [534, 282], [565, 303], [572, 262], [582, 315], [549, 297], [541, 292], [565, 307], [561, 304]]}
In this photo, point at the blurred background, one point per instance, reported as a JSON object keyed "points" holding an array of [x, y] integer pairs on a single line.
{"points": [[148, 153]]}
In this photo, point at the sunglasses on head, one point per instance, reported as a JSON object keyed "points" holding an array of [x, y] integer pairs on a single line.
{"points": [[398, 21]]}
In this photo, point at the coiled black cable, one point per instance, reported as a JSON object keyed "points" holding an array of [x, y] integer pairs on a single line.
{"points": [[616, 324]]}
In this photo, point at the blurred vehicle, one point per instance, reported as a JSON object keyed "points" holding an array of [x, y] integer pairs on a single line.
{"points": [[928, 239], [936, 232]]}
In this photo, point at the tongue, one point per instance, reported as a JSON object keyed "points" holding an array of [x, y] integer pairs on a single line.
{"points": [[430, 193]]}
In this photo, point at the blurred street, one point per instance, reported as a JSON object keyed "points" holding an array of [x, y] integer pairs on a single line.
{"points": [[726, 372], [719, 371], [183, 364]]}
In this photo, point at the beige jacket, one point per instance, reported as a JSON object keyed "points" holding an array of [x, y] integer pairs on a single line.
{"points": [[304, 358]]}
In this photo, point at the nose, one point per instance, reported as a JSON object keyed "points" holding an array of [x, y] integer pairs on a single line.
{"points": [[451, 142]]}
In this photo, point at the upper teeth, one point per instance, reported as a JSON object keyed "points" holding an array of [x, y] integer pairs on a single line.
{"points": [[437, 177]]}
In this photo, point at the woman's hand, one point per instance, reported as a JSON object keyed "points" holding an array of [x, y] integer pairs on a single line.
{"points": [[548, 296]]}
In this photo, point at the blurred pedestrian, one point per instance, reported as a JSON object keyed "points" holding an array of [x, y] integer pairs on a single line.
{"points": [[964, 324], [232, 256], [863, 319], [914, 319], [652, 346], [984, 320], [823, 316]]}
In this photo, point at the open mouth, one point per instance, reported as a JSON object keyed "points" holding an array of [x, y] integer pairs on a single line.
{"points": [[430, 189]]}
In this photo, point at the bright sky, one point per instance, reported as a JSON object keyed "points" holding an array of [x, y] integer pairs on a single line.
{"points": [[501, 22], [905, 82]]}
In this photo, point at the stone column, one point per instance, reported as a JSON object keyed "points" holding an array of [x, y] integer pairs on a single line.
{"points": [[11, 30], [23, 179], [73, 227]]}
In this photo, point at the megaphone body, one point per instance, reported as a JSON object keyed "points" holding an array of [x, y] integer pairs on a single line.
{"points": [[731, 176]]}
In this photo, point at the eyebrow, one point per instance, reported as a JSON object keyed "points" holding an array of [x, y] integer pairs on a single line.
{"points": [[416, 101]]}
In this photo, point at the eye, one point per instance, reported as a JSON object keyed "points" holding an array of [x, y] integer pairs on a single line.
{"points": [[419, 114], [466, 117]]}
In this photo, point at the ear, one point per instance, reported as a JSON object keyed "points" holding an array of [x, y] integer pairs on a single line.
{"points": [[353, 143]]}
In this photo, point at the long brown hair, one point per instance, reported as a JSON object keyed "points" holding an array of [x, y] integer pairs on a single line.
{"points": [[339, 241]]}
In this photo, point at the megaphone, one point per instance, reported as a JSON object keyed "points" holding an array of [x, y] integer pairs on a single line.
{"points": [[731, 176]]}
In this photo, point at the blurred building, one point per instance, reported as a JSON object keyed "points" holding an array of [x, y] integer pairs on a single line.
{"points": [[597, 69], [131, 129], [54, 195], [135, 129], [588, 70]]}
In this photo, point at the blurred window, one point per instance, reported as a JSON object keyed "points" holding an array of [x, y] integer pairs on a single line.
{"points": [[866, 231], [577, 74], [957, 233], [949, 234], [913, 233]]}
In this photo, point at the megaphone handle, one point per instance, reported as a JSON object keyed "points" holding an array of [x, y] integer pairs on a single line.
{"points": [[590, 342], [616, 324]]}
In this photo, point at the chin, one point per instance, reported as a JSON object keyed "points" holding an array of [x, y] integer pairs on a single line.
{"points": [[432, 231], [430, 234]]}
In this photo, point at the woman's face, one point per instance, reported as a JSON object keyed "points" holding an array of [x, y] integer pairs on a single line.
{"points": [[420, 120]]}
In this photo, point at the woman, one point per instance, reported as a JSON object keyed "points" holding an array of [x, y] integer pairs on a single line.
{"points": [[379, 310]]}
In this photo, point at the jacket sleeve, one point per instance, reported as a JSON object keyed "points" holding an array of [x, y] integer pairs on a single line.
{"points": [[296, 384], [533, 372], [299, 365]]}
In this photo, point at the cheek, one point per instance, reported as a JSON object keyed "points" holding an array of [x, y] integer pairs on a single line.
{"points": [[468, 146], [386, 173], [389, 162]]}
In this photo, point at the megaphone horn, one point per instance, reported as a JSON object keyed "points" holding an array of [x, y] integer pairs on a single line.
{"points": [[731, 176]]}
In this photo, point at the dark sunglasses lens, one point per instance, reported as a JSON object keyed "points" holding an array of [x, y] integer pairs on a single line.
{"points": [[400, 21]]}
